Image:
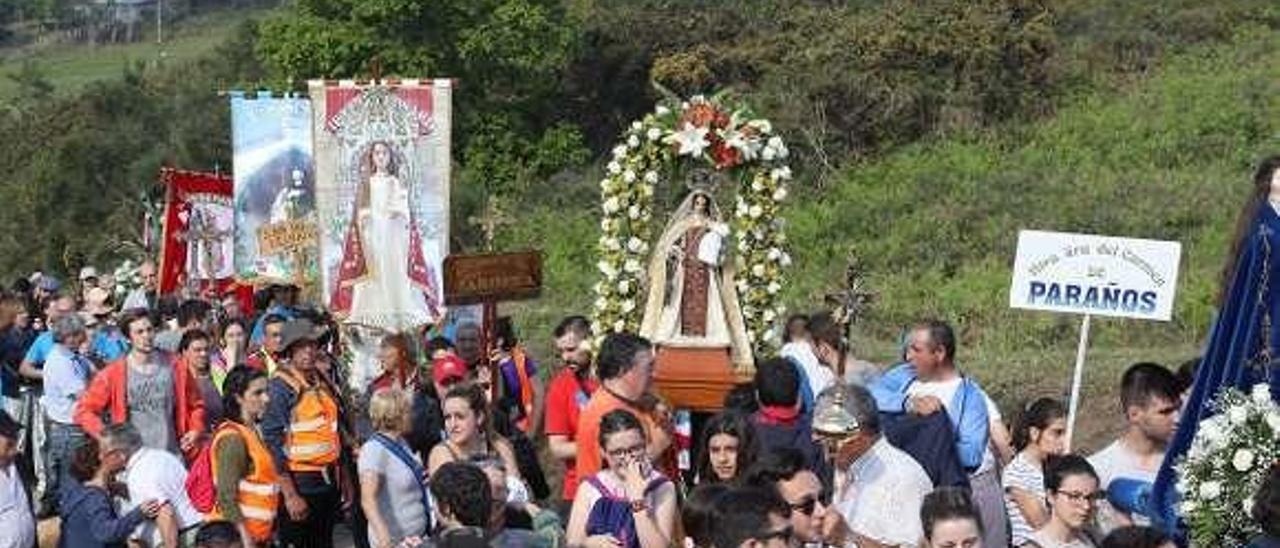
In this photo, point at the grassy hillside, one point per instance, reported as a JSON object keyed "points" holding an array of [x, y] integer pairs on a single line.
{"points": [[1169, 157], [69, 67]]}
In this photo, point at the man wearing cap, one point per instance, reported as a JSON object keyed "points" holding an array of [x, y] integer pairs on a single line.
{"points": [[301, 429], [267, 357], [88, 280], [107, 344], [17, 525], [31, 368], [146, 389]]}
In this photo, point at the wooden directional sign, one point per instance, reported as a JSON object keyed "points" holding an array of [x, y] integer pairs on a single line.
{"points": [[470, 279]]}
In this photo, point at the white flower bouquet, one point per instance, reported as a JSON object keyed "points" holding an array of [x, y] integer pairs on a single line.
{"points": [[1232, 452]]}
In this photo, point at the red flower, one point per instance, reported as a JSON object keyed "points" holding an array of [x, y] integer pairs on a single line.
{"points": [[704, 115], [724, 156]]}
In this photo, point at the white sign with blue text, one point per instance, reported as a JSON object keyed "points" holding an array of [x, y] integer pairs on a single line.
{"points": [[1099, 275]]}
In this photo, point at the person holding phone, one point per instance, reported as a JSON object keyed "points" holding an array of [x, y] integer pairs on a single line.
{"points": [[628, 504]]}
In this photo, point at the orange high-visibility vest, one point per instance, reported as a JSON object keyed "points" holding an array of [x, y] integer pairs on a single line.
{"points": [[526, 389], [311, 443], [257, 494]]}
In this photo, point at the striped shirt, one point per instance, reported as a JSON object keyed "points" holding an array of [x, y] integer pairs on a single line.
{"points": [[1028, 476]]}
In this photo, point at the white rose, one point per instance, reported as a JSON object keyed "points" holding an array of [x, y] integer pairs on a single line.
{"points": [[755, 211], [619, 152], [742, 286], [646, 190], [612, 205], [742, 246], [779, 148], [629, 176], [606, 268], [785, 260], [780, 173], [631, 265], [757, 270], [614, 168], [609, 243], [654, 134], [624, 287], [1273, 420], [1210, 490], [756, 185], [651, 177], [619, 326], [1209, 432], [780, 194], [628, 305], [1261, 394], [1189, 506], [1238, 416], [774, 254], [768, 154], [637, 125], [634, 244], [769, 315], [606, 225], [606, 185], [602, 303], [774, 287], [661, 110], [633, 141], [633, 212], [1243, 460]]}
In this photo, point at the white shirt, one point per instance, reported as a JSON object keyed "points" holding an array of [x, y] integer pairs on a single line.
{"points": [[1113, 462], [17, 525], [818, 375], [65, 376], [881, 494], [135, 299], [160, 475]]}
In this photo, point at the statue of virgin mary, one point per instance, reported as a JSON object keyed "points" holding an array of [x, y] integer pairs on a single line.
{"points": [[692, 299], [383, 280]]}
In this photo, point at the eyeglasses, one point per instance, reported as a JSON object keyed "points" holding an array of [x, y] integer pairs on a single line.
{"points": [[1091, 498], [806, 506], [786, 534], [633, 451]]}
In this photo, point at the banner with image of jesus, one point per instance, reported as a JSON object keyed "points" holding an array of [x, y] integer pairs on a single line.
{"points": [[382, 197]]}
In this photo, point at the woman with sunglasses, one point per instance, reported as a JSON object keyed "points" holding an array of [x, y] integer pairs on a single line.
{"points": [[628, 504], [468, 433], [727, 449], [1072, 493]]}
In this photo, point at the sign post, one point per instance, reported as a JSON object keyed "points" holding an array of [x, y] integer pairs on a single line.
{"points": [[488, 279], [1093, 276]]}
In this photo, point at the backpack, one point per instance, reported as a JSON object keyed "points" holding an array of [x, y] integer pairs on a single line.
{"points": [[200, 488]]}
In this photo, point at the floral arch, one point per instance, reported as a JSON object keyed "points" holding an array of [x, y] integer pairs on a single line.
{"points": [[702, 132]]}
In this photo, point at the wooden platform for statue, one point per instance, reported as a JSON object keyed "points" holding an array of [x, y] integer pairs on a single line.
{"points": [[696, 379]]}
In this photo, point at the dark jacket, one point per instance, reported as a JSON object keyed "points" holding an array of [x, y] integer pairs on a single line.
{"points": [[89, 520]]}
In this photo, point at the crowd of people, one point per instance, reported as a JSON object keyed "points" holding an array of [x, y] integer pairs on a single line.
{"points": [[197, 422]]}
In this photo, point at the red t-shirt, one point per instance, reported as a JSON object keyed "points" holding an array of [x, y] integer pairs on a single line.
{"points": [[566, 396]]}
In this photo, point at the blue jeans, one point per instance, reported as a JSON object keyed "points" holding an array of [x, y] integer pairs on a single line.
{"points": [[64, 439]]}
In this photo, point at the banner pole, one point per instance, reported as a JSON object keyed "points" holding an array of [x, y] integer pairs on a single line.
{"points": [[1074, 404]]}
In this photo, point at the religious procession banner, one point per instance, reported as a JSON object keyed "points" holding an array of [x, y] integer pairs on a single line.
{"points": [[196, 250], [276, 234], [382, 195]]}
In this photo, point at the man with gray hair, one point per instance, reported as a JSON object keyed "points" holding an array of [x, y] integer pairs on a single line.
{"points": [[66, 373], [152, 474], [878, 488]]}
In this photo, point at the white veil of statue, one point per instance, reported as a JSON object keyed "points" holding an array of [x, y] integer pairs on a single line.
{"points": [[692, 299]]}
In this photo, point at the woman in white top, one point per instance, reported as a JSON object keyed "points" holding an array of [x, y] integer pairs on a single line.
{"points": [[1038, 436], [1073, 495], [392, 489]]}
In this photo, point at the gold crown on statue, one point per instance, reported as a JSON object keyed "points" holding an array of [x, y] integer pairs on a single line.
{"points": [[703, 180]]}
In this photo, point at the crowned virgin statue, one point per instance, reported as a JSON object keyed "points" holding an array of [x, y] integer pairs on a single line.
{"points": [[383, 279], [693, 300]]}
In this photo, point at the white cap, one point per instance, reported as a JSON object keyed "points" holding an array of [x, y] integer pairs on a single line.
{"points": [[88, 272]]}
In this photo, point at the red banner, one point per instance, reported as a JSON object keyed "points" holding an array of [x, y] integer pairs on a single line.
{"points": [[196, 247]]}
